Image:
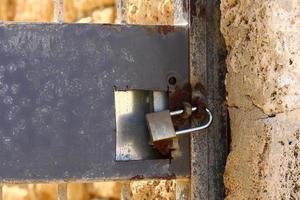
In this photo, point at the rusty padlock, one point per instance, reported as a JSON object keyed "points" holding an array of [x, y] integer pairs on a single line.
{"points": [[161, 126]]}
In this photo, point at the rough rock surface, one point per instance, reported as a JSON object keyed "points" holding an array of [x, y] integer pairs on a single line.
{"points": [[33, 10], [108, 189], [151, 190], [263, 79], [98, 11], [106, 15], [85, 7], [6, 13], [264, 47], [30, 192], [150, 11]]}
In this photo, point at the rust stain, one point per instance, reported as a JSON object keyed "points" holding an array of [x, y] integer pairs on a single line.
{"points": [[177, 96], [201, 113], [164, 30], [167, 177], [137, 177], [164, 147]]}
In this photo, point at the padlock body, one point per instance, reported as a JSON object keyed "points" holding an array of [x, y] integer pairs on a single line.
{"points": [[160, 126]]}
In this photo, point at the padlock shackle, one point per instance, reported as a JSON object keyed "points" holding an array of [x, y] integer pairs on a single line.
{"points": [[198, 128]]}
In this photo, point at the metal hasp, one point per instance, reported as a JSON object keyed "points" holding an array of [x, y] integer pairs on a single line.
{"points": [[208, 70], [57, 84]]}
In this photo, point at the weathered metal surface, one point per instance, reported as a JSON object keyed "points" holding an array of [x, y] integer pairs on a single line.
{"points": [[133, 138], [57, 97], [207, 64]]}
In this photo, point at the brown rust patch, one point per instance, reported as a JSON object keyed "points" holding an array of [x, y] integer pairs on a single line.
{"points": [[137, 177], [165, 147], [164, 30]]}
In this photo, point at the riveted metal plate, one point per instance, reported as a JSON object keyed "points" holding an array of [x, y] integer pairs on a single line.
{"points": [[57, 84]]}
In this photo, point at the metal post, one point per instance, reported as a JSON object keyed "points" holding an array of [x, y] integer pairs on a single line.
{"points": [[58, 11], [181, 14], [121, 11], [62, 192], [126, 191], [207, 74], [182, 189], [1, 191]]}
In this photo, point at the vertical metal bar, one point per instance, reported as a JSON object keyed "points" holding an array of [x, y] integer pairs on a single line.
{"points": [[122, 19], [182, 189], [207, 70], [126, 191], [199, 146], [216, 72], [62, 191], [121, 11], [58, 11], [181, 14], [1, 192]]}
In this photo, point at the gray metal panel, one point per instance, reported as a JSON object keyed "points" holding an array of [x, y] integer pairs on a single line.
{"points": [[57, 87]]}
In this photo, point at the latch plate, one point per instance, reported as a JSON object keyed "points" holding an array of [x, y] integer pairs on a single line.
{"points": [[57, 97]]}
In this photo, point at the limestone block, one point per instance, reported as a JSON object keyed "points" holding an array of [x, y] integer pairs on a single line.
{"points": [[110, 190], [15, 193], [33, 10], [151, 190], [70, 13], [3, 9], [263, 43], [7, 11], [263, 63], [84, 7], [99, 11], [264, 159], [78, 191], [42, 191], [106, 15], [150, 12]]}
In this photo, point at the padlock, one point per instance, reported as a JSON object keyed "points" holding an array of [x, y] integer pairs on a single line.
{"points": [[161, 126]]}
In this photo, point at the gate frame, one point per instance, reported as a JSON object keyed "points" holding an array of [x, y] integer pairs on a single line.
{"points": [[209, 148]]}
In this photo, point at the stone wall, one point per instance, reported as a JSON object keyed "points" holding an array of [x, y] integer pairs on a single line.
{"points": [[87, 11], [263, 79], [150, 12]]}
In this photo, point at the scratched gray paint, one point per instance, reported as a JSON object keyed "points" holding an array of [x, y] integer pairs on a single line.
{"points": [[57, 84]]}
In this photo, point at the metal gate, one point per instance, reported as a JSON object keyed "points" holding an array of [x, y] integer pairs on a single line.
{"points": [[63, 89]]}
